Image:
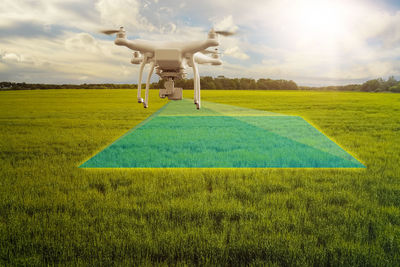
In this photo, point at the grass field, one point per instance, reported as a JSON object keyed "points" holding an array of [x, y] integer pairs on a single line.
{"points": [[54, 213]]}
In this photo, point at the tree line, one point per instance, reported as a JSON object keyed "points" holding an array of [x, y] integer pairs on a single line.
{"points": [[222, 83], [37, 86], [207, 82], [375, 85]]}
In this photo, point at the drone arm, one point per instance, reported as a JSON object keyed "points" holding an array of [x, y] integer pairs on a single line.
{"points": [[194, 67], [139, 93], [193, 47], [203, 59], [146, 99], [137, 45]]}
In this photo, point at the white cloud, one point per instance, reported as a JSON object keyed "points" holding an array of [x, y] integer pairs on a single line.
{"points": [[82, 42], [99, 61], [390, 34], [169, 28], [17, 58], [236, 53], [11, 57], [70, 14], [123, 13], [226, 24]]}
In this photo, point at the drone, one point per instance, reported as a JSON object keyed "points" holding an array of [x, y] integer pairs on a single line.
{"points": [[170, 59]]}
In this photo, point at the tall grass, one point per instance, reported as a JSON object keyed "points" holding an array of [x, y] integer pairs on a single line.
{"points": [[52, 212]]}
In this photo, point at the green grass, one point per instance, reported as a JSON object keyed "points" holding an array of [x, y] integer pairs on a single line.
{"points": [[52, 212]]}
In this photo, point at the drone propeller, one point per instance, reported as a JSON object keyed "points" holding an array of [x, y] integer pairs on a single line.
{"points": [[225, 33], [109, 32]]}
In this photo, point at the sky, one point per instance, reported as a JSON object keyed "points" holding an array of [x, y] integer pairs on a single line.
{"points": [[313, 42]]}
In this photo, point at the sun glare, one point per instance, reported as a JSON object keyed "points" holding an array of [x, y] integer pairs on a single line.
{"points": [[322, 21], [321, 18]]}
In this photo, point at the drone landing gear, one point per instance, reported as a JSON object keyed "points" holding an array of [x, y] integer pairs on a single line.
{"points": [[139, 93], [198, 102], [146, 97], [196, 80]]}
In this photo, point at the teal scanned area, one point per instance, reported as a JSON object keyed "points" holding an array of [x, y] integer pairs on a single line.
{"points": [[222, 136], [187, 108]]}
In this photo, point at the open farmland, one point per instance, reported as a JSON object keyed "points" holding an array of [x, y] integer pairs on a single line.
{"points": [[52, 212]]}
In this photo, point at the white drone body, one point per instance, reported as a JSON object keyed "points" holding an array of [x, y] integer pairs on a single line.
{"points": [[170, 59]]}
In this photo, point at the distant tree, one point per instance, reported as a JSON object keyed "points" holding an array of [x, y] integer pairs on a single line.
{"points": [[247, 84], [395, 88], [232, 84], [264, 84], [207, 82], [290, 85], [218, 83], [371, 85], [382, 86], [379, 85], [350, 87], [391, 81]]}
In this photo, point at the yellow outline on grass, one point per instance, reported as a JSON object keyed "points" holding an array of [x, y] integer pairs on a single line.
{"points": [[330, 138]]}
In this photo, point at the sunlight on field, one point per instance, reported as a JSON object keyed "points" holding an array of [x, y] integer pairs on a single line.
{"points": [[54, 213]]}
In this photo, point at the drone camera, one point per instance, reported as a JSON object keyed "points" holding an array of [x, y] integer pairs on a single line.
{"points": [[170, 91]]}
